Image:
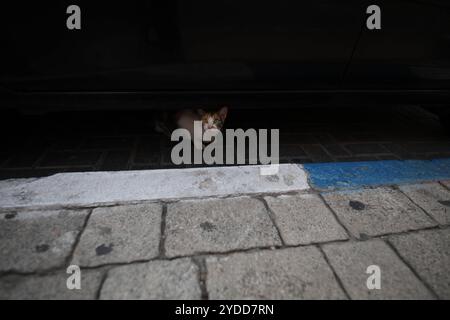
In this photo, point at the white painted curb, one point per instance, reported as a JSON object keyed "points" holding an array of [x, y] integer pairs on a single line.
{"points": [[103, 188]]}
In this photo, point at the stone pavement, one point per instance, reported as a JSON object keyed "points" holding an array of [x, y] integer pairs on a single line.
{"points": [[302, 244], [107, 141]]}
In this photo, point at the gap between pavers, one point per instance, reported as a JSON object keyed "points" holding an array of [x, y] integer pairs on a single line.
{"points": [[106, 188]]}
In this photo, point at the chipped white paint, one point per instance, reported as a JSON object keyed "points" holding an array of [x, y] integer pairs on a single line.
{"points": [[101, 188]]}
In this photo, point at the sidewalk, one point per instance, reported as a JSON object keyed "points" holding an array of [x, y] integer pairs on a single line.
{"points": [[221, 233]]}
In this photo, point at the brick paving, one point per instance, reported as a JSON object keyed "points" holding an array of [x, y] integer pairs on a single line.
{"points": [[301, 245], [35, 146]]}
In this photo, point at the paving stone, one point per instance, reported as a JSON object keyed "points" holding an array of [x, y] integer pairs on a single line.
{"points": [[38, 240], [110, 143], [61, 159], [24, 158], [217, 225], [366, 148], [148, 151], [287, 150], [27, 173], [304, 219], [336, 150], [398, 150], [368, 136], [343, 137], [428, 253], [294, 138], [176, 279], [301, 160], [446, 183], [432, 197], [68, 143], [374, 212], [295, 273], [350, 260], [317, 153], [325, 138], [355, 159], [50, 287], [120, 234], [428, 147], [387, 157], [115, 160], [399, 134]]}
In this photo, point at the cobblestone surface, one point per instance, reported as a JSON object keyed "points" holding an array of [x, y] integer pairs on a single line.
{"points": [[177, 279], [231, 248], [351, 261], [68, 142], [120, 234], [218, 226], [50, 287], [433, 198], [298, 273], [34, 240], [295, 246], [377, 211], [428, 252], [305, 219]]}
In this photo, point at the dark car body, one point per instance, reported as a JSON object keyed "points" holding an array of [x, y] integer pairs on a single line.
{"points": [[155, 53]]}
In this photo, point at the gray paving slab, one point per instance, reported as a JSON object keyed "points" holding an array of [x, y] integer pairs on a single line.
{"points": [[351, 261], [374, 212], [38, 240], [176, 279], [120, 234], [428, 253], [304, 219], [50, 287], [294, 273], [432, 197], [218, 225]]}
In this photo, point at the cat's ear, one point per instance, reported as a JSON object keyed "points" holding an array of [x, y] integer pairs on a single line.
{"points": [[201, 112], [223, 113]]}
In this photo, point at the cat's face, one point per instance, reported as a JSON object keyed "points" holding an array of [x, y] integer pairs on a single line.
{"points": [[213, 120]]}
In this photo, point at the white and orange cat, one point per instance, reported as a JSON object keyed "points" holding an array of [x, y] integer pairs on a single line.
{"points": [[185, 119]]}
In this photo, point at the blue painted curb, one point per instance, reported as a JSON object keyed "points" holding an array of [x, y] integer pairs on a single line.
{"points": [[351, 175]]}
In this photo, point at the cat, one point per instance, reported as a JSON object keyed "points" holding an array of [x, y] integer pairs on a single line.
{"points": [[185, 119]]}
